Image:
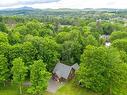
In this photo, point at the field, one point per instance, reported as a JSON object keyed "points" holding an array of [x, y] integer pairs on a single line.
{"points": [[68, 89]]}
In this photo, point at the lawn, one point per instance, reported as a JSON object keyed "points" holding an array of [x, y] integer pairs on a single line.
{"points": [[9, 90], [67, 89], [71, 89]]}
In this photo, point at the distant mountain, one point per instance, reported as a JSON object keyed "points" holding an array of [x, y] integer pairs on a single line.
{"points": [[25, 8], [29, 11], [21, 8]]}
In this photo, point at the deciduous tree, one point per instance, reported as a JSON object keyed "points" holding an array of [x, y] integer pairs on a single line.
{"points": [[3, 69], [103, 70], [39, 78], [19, 72]]}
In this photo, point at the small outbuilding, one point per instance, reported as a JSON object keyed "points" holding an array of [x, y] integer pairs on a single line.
{"points": [[64, 72]]}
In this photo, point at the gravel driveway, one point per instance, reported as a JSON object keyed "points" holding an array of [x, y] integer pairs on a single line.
{"points": [[53, 86]]}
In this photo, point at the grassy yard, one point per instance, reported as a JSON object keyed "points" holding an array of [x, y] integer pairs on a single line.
{"points": [[9, 90], [71, 89], [67, 89]]}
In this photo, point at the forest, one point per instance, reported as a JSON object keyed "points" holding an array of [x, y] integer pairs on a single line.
{"points": [[31, 46]]}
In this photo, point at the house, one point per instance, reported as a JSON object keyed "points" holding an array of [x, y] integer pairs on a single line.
{"points": [[64, 72], [106, 37], [107, 44]]}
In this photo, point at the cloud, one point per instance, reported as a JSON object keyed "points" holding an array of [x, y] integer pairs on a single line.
{"points": [[64, 3], [29, 2], [10, 3], [5, 3], [80, 4]]}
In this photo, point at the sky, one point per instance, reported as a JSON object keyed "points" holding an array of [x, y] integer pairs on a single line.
{"points": [[55, 4]]}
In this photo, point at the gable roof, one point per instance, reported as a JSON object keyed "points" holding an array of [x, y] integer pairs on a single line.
{"points": [[75, 66], [105, 37], [63, 70]]}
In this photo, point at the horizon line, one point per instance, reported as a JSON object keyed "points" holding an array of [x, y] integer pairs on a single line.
{"points": [[59, 8]]}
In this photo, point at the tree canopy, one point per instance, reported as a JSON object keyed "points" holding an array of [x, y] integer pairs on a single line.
{"points": [[39, 78], [103, 70], [19, 72]]}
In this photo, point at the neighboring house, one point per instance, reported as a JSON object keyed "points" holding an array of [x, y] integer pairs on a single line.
{"points": [[106, 37], [107, 44], [64, 72]]}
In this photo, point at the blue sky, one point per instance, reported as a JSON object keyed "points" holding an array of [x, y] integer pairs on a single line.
{"points": [[64, 3]]}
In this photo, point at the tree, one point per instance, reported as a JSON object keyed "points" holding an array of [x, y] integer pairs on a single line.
{"points": [[62, 36], [14, 37], [34, 28], [22, 29], [49, 52], [3, 27], [15, 51], [3, 37], [103, 70], [108, 28], [105, 27], [46, 49], [71, 46], [90, 40], [4, 49], [1, 19], [28, 52], [73, 35], [120, 44], [39, 78], [123, 55], [118, 35], [3, 69], [70, 52], [19, 72]]}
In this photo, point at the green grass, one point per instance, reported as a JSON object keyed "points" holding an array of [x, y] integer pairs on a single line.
{"points": [[71, 89], [9, 90], [67, 89]]}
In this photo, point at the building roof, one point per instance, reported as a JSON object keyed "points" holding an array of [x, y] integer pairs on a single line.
{"points": [[107, 44], [63, 70], [104, 36], [75, 66]]}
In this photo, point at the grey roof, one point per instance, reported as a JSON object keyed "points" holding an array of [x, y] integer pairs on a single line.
{"points": [[104, 36], [62, 70], [75, 66]]}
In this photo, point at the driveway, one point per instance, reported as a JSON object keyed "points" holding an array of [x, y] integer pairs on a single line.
{"points": [[53, 86]]}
